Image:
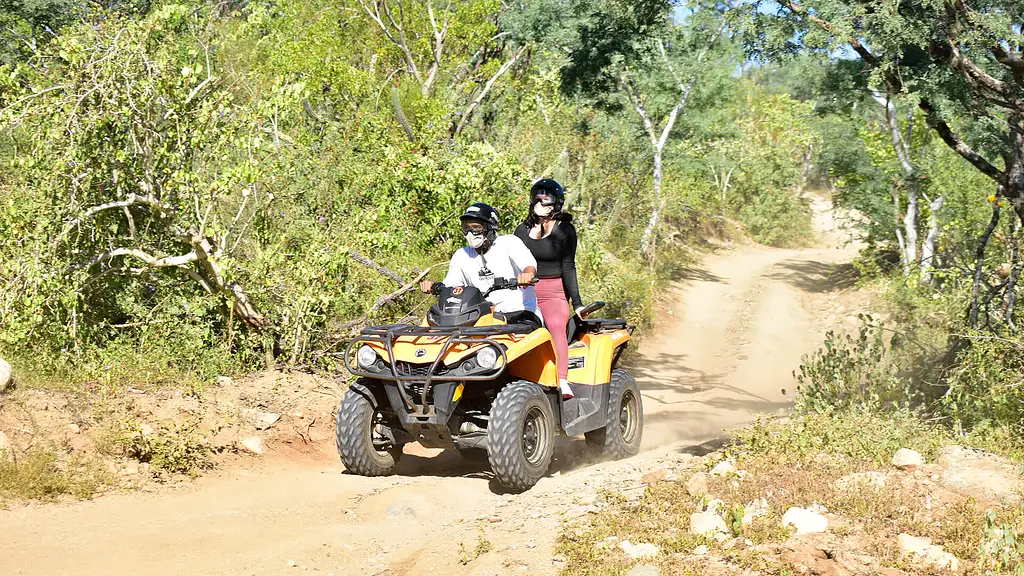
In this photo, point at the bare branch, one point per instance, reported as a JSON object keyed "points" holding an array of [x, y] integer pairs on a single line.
{"points": [[981, 79], [899, 143], [827, 26], [638, 105], [957, 143], [664, 56], [383, 301], [131, 200], [150, 260], [400, 41], [487, 88], [440, 35], [358, 257], [32, 96]]}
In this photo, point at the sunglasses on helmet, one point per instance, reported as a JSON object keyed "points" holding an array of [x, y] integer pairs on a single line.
{"points": [[474, 228], [545, 198]]}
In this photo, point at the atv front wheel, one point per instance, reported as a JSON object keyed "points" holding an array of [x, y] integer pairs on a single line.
{"points": [[360, 433], [520, 435], [620, 438]]}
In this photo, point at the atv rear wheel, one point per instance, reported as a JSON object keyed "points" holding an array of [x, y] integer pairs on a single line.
{"points": [[620, 438], [360, 433], [520, 435]]}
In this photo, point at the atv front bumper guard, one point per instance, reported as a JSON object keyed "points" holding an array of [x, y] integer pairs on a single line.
{"points": [[386, 335]]}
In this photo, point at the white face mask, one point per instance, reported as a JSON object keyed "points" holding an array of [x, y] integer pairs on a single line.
{"points": [[542, 210], [475, 241]]}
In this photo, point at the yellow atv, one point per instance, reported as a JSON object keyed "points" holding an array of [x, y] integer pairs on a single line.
{"points": [[468, 379]]}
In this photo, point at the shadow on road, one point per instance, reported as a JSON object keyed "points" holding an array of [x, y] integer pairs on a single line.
{"points": [[817, 277]]}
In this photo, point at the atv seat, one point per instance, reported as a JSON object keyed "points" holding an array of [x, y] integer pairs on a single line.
{"points": [[521, 322]]}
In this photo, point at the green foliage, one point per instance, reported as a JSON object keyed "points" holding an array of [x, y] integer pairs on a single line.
{"points": [[190, 191], [1003, 547], [984, 389], [180, 449], [850, 372], [776, 218], [854, 433]]}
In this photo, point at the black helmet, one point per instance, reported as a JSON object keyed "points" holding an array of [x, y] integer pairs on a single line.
{"points": [[484, 213], [548, 186]]}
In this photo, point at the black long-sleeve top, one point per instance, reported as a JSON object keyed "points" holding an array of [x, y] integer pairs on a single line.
{"points": [[556, 256]]}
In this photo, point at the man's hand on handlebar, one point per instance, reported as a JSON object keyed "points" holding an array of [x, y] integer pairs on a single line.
{"points": [[527, 277], [427, 286]]}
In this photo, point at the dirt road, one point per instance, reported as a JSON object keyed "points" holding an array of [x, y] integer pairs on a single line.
{"points": [[723, 353]]}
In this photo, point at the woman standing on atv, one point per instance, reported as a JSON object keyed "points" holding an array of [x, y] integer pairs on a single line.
{"points": [[549, 234]]}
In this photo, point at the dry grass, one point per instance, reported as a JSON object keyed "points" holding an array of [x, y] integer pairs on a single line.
{"points": [[40, 475], [798, 463]]}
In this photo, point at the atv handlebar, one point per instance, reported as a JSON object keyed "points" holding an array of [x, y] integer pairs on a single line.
{"points": [[507, 284]]}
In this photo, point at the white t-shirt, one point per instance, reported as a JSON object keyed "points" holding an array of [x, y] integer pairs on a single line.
{"points": [[507, 258]]}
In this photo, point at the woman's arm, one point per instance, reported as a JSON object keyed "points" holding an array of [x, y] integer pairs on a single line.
{"points": [[569, 279]]}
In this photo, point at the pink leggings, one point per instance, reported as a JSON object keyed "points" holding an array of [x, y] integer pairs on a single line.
{"points": [[554, 306]]}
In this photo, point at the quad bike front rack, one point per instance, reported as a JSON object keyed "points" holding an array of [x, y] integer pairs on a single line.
{"points": [[386, 334]]}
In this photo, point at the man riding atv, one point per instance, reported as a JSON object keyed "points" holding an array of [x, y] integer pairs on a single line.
{"points": [[480, 373], [488, 256]]}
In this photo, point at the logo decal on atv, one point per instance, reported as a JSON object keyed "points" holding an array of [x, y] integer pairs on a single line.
{"points": [[576, 362], [457, 290], [421, 352]]}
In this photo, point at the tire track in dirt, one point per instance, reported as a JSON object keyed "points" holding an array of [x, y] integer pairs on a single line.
{"points": [[737, 330]]}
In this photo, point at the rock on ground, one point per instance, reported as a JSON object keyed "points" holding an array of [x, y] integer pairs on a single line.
{"points": [[253, 445], [906, 459], [805, 521], [723, 468], [874, 480], [697, 486], [654, 477], [979, 473], [643, 570], [929, 553], [264, 420], [400, 511], [638, 551], [754, 509], [5, 375], [707, 523]]}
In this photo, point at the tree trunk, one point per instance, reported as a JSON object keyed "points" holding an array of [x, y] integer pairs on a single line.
{"points": [[979, 261], [899, 233], [1011, 282], [928, 248], [901, 146], [910, 223], [805, 169], [646, 243]]}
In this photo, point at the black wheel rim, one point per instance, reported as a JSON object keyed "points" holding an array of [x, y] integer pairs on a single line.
{"points": [[535, 432], [629, 416]]}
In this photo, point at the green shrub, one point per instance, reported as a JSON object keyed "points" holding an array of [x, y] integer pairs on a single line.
{"points": [[774, 217], [850, 372]]}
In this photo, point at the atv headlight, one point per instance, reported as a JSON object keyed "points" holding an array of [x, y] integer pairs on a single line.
{"points": [[366, 357], [487, 358]]}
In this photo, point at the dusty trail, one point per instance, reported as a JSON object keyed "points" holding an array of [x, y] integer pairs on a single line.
{"points": [[736, 332]]}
